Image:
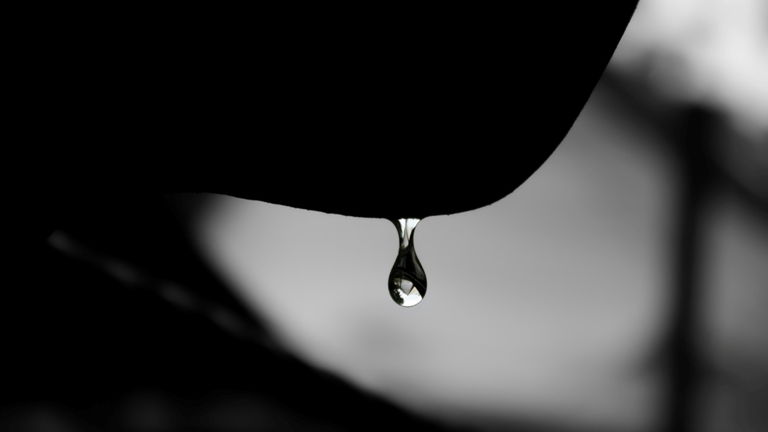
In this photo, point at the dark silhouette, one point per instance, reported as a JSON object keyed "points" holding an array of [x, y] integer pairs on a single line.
{"points": [[365, 112], [357, 112]]}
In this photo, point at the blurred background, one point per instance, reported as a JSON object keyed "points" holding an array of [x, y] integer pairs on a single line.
{"points": [[623, 284], [622, 287]]}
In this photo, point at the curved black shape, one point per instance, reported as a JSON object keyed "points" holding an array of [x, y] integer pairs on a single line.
{"points": [[366, 112]]}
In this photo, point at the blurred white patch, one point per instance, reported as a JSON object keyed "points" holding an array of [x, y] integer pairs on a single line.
{"points": [[708, 51]]}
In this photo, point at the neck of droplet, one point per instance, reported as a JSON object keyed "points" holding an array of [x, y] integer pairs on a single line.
{"points": [[405, 227]]}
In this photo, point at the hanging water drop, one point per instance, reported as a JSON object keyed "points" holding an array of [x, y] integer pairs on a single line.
{"points": [[407, 280]]}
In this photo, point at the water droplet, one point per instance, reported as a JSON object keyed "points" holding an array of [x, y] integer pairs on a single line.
{"points": [[407, 280]]}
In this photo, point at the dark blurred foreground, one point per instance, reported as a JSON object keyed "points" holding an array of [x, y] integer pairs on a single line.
{"points": [[117, 325]]}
